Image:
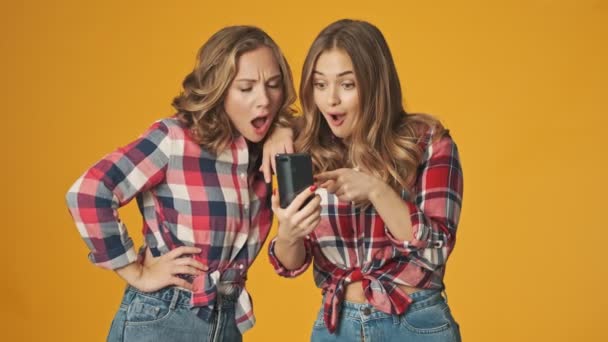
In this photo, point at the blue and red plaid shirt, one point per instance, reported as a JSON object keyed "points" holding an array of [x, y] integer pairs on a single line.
{"points": [[352, 244], [187, 197]]}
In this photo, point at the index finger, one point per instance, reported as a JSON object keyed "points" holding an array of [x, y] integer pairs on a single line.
{"points": [[329, 175], [297, 202], [273, 163], [266, 161], [274, 200], [289, 147], [193, 263]]}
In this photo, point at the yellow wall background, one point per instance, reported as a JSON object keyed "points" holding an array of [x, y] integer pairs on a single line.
{"points": [[521, 84]]}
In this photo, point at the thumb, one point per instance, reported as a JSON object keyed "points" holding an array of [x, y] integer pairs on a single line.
{"points": [[265, 168], [275, 200], [148, 257]]}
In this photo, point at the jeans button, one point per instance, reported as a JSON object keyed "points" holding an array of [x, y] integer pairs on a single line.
{"points": [[367, 311]]}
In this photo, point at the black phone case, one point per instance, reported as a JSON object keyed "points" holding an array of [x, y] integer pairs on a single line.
{"points": [[294, 174]]}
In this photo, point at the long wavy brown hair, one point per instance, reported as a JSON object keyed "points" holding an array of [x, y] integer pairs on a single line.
{"points": [[385, 138], [200, 106]]}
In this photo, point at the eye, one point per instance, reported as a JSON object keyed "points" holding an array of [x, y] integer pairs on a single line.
{"points": [[245, 90], [319, 85], [348, 85], [273, 85]]}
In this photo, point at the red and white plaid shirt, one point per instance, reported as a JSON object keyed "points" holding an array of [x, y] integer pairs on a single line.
{"points": [[187, 197], [352, 244]]}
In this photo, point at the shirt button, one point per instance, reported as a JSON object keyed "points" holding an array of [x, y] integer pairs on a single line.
{"points": [[367, 311], [243, 176], [241, 266]]}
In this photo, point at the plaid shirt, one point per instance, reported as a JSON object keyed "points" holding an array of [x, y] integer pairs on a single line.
{"points": [[187, 197], [352, 244]]}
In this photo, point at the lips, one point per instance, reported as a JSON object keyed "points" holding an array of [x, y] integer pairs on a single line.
{"points": [[336, 119], [260, 124]]}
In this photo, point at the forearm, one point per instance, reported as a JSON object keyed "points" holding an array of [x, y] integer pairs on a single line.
{"points": [[293, 125], [93, 200], [131, 273], [291, 254], [393, 211]]}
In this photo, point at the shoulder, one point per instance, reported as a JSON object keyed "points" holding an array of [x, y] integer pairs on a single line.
{"points": [[431, 137], [171, 127], [164, 131], [439, 149]]}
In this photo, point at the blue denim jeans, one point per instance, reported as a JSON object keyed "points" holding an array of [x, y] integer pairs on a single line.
{"points": [[166, 315], [428, 319]]}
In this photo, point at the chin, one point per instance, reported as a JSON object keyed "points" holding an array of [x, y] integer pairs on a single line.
{"points": [[254, 138], [338, 134]]}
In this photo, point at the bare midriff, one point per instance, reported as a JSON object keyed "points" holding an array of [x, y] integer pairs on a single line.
{"points": [[354, 292]]}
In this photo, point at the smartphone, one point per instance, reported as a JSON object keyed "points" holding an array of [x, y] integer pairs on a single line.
{"points": [[294, 174]]}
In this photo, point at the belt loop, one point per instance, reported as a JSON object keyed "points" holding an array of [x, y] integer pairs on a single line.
{"points": [[396, 318], [174, 299]]}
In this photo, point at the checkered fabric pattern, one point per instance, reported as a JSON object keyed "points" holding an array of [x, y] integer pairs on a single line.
{"points": [[187, 197], [352, 244]]}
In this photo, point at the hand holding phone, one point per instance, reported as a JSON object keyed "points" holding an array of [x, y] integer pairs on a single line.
{"points": [[294, 174], [296, 207]]}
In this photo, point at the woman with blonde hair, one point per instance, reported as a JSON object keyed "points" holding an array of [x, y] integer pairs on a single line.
{"points": [[388, 202], [205, 206]]}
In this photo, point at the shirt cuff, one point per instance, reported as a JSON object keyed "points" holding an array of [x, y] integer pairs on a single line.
{"points": [[282, 270], [420, 232], [115, 258]]}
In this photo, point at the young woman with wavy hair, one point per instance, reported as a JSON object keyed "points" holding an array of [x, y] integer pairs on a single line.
{"points": [[205, 206], [388, 199]]}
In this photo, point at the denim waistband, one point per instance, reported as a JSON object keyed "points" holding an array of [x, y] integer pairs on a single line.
{"points": [[177, 297], [420, 299]]}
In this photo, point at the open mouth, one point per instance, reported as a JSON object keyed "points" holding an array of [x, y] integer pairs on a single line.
{"points": [[337, 119], [261, 124]]}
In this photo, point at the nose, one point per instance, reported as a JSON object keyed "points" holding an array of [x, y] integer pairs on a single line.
{"points": [[333, 98], [263, 100]]}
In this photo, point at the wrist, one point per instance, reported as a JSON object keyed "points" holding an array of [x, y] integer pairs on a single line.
{"points": [[131, 273], [284, 121], [287, 242], [378, 189]]}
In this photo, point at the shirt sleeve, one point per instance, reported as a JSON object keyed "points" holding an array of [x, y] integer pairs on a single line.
{"points": [[282, 270], [94, 199], [435, 210]]}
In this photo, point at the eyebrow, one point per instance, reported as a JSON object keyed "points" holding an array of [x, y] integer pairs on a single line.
{"points": [[254, 80], [339, 75]]}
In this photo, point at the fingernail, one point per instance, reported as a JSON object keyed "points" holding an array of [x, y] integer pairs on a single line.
{"points": [[313, 188]]}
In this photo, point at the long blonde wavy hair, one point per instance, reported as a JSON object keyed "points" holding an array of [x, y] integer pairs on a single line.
{"points": [[200, 106], [385, 138]]}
